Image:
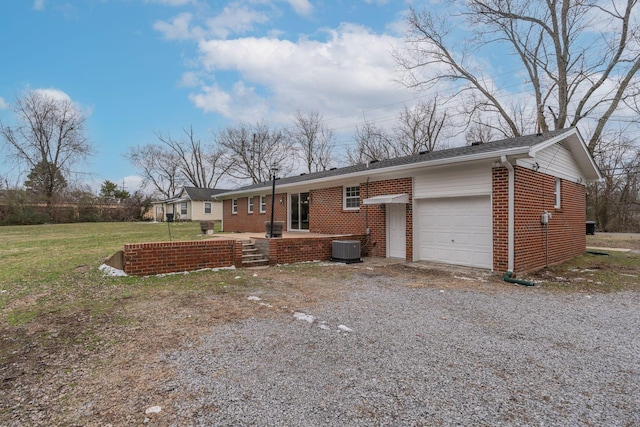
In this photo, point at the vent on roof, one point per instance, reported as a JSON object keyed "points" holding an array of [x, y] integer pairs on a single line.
{"points": [[373, 161], [332, 169], [424, 152], [303, 173], [473, 144]]}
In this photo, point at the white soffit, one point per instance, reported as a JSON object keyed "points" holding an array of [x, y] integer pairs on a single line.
{"points": [[387, 198]]}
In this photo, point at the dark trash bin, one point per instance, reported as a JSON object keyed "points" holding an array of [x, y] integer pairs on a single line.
{"points": [[591, 227], [208, 227], [169, 217]]}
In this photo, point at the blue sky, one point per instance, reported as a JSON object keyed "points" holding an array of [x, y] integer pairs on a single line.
{"points": [[141, 66]]}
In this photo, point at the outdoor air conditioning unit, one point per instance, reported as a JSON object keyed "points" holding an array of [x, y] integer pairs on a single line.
{"points": [[347, 251]]}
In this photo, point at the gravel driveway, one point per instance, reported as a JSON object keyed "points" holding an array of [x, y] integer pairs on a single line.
{"points": [[498, 355]]}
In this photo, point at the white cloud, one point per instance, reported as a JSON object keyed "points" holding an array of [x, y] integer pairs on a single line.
{"points": [[235, 19], [350, 71], [55, 94], [38, 5], [179, 28], [190, 79], [301, 7], [3, 104], [241, 102]]}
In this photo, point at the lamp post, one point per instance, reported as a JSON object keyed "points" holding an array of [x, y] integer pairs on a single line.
{"points": [[273, 171]]}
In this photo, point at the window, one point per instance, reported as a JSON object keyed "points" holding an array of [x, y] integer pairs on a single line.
{"points": [[207, 207], [352, 197], [234, 206], [250, 204], [183, 208], [263, 204], [557, 195]]}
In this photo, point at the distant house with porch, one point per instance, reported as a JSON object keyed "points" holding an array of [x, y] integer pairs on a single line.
{"points": [[191, 204]]}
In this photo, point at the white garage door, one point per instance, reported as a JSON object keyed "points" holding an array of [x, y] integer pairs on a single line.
{"points": [[456, 230]]}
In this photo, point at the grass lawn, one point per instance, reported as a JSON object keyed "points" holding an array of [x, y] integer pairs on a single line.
{"points": [[42, 252], [48, 270]]}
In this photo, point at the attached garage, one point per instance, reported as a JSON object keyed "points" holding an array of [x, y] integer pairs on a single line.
{"points": [[456, 230]]}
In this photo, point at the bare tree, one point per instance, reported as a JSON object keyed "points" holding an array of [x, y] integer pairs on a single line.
{"points": [[178, 162], [314, 140], [479, 132], [253, 149], [615, 201], [372, 143], [421, 128], [159, 166], [49, 138], [198, 163], [580, 58]]}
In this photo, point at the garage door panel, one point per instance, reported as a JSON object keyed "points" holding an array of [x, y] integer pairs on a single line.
{"points": [[456, 230]]}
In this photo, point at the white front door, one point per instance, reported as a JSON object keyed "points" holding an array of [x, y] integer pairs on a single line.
{"points": [[396, 230]]}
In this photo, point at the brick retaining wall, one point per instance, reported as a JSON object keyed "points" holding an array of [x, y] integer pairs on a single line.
{"points": [[146, 259]]}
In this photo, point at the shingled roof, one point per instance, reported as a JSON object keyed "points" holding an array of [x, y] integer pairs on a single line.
{"points": [[441, 155], [200, 194]]}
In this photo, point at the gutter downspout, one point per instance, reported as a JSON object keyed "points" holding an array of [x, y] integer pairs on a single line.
{"points": [[508, 275]]}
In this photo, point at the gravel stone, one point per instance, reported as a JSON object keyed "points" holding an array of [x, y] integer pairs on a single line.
{"points": [[503, 356]]}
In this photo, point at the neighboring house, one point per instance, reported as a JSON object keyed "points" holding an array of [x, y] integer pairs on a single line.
{"points": [[480, 205], [191, 204]]}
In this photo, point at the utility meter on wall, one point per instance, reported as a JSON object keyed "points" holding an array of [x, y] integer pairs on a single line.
{"points": [[544, 219]]}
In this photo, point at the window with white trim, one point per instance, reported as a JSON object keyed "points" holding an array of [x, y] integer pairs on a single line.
{"points": [[263, 204], [183, 208], [207, 207], [557, 195], [234, 206], [250, 204], [351, 198]]}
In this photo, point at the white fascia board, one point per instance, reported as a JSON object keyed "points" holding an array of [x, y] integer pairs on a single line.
{"points": [[551, 141], [517, 151]]}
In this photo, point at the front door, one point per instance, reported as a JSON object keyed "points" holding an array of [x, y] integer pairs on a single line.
{"points": [[396, 230], [299, 211]]}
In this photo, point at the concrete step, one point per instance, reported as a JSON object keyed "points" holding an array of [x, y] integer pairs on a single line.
{"points": [[255, 263], [252, 257]]}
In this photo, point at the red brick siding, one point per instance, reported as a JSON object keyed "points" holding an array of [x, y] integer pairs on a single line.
{"points": [[500, 202], [327, 216], [377, 214], [145, 259], [253, 222], [288, 251], [534, 194]]}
